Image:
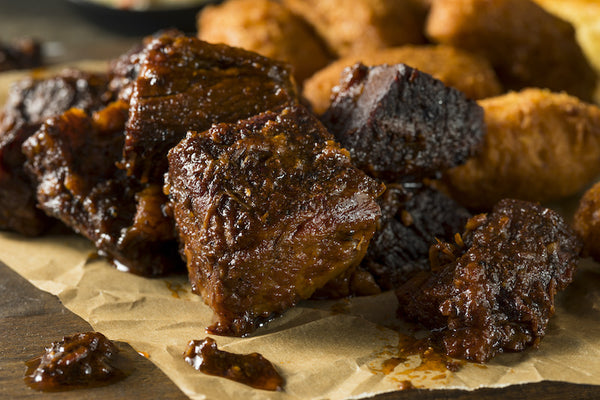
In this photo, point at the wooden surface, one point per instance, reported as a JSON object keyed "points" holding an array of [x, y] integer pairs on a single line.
{"points": [[31, 319]]}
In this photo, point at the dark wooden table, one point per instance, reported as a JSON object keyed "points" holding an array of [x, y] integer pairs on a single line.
{"points": [[31, 319]]}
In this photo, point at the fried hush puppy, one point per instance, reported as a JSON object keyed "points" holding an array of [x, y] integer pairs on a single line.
{"points": [[526, 45], [539, 146], [493, 290], [586, 222], [459, 69], [268, 28], [362, 25], [585, 17]]}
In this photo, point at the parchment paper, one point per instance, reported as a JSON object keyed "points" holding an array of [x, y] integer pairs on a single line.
{"points": [[324, 349]]}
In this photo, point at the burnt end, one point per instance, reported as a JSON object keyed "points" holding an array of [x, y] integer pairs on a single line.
{"points": [[268, 209], [402, 125], [30, 102], [493, 290], [413, 217], [186, 84], [74, 157], [124, 70], [22, 54]]}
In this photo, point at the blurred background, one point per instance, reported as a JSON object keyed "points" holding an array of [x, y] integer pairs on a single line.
{"points": [[76, 29]]}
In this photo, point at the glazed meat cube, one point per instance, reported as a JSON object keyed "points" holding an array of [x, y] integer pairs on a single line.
{"points": [[413, 216], [493, 290], [528, 46], [268, 209], [74, 158], [400, 124], [30, 102], [186, 84]]}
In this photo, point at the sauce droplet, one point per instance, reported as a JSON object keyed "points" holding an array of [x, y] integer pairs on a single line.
{"points": [[251, 369], [80, 361]]}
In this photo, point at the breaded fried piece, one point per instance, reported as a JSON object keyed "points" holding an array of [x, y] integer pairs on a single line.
{"points": [[361, 25], [586, 222], [268, 28], [585, 17], [493, 290], [468, 73], [539, 146], [526, 45]]}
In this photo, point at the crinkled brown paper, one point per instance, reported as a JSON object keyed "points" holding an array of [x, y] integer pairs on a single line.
{"points": [[324, 349]]}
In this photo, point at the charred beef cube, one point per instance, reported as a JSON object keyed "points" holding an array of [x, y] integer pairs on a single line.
{"points": [[186, 84], [74, 158], [413, 217], [402, 125], [22, 54], [30, 102], [124, 70], [493, 290], [268, 209]]}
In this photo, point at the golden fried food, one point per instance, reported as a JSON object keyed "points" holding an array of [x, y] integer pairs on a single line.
{"points": [[526, 45], [268, 28], [456, 68], [585, 17], [586, 222], [539, 146], [361, 25]]}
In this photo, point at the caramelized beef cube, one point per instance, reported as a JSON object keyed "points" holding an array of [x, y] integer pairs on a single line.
{"points": [[268, 209], [22, 54], [413, 217], [400, 124], [186, 84], [74, 158], [493, 290], [30, 102]]}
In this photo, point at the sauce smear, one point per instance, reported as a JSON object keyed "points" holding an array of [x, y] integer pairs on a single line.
{"points": [[251, 369], [83, 360]]}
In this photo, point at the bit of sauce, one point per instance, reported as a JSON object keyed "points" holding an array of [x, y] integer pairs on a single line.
{"points": [[250, 369], [429, 361], [143, 354], [175, 288], [83, 360]]}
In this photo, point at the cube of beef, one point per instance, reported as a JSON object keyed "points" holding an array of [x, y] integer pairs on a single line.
{"points": [[493, 289], [413, 217], [30, 102], [268, 209], [400, 124], [186, 84], [74, 158]]}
